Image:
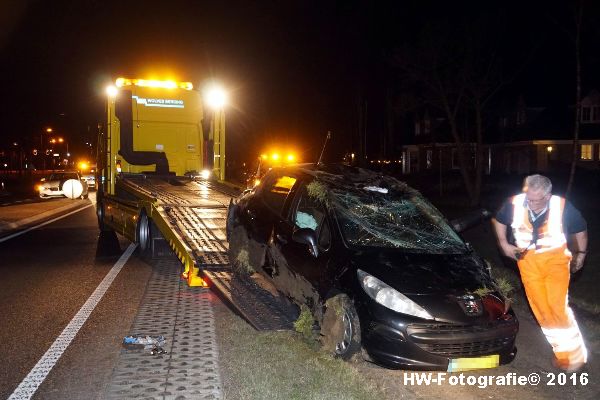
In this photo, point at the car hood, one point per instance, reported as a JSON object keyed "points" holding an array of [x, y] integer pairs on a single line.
{"points": [[420, 274], [53, 184]]}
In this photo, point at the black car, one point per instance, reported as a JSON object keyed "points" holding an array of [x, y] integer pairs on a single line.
{"points": [[377, 265]]}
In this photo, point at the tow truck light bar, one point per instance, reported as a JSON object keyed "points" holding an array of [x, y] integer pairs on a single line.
{"points": [[278, 157], [120, 82]]}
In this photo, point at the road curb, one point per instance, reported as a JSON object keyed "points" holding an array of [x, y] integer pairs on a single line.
{"points": [[8, 227]]}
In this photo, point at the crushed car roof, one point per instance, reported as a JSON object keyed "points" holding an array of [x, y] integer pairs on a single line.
{"points": [[379, 210]]}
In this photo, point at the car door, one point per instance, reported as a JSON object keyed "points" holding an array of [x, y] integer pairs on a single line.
{"points": [[305, 212], [266, 209]]}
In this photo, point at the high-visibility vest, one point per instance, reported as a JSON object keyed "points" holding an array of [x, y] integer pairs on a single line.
{"points": [[550, 234]]}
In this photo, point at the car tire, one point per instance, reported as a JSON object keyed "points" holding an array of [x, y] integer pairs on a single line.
{"points": [[340, 329]]}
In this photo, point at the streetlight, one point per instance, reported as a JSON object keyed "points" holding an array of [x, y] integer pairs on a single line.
{"points": [[216, 98], [18, 156], [43, 148], [60, 140]]}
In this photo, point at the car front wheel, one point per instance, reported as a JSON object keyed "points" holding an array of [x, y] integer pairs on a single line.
{"points": [[340, 330]]}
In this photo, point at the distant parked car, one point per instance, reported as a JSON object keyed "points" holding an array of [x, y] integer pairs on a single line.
{"points": [[63, 184], [90, 179], [379, 267]]}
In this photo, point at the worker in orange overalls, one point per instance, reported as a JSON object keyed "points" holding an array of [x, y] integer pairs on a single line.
{"points": [[541, 223]]}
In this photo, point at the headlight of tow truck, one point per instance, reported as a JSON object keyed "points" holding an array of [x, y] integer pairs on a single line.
{"points": [[390, 297], [205, 174]]}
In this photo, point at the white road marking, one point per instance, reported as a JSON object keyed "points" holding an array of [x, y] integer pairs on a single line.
{"points": [[14, 235], [40, 371]]}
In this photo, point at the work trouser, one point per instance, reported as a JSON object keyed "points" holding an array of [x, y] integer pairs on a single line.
{"points": [[546, 278]]}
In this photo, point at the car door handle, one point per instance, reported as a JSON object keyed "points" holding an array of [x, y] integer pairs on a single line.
{"points": [[281, 238]]}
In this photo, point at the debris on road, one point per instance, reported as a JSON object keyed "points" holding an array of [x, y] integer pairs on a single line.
{"points": [[153, 343]]}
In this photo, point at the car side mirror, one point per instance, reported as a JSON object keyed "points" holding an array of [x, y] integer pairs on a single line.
{"points": [[309, 237], [470, 220]]}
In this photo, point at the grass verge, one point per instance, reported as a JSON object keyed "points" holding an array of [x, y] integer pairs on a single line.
{"points": [[282, 365]]}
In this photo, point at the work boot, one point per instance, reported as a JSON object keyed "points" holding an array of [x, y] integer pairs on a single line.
{"points": [[564, 365]]}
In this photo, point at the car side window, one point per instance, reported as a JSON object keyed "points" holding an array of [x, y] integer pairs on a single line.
{"points": [[276, 191], [311, 214]]}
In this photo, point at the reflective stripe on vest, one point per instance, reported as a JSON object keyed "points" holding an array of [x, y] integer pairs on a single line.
{"points": [[550, 234]]}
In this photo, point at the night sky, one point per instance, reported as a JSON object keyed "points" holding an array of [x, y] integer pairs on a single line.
{"points": [[294, 71]]}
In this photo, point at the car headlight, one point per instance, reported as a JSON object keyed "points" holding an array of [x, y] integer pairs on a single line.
{"points": [[390, 297]]}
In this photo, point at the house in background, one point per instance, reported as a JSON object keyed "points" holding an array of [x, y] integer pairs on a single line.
{"points": [[540, 139], [525, 140]]}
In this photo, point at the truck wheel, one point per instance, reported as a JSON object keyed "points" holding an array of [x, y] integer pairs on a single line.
{"points": [[143, 233], [340, 329], [101, 214]]}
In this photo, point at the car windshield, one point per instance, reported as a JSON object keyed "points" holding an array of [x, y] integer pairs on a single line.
{"points": [[392, 216], [62, 176]]}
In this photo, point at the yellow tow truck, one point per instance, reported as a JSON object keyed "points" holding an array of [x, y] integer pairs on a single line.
{"points": [[153, 187], [150, 155]]}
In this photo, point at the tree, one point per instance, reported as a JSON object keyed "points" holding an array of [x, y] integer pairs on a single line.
{"points": [[577, 43], [436, 63], [459, 75]]}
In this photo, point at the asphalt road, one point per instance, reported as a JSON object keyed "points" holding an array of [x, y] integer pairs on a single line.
{"points": [[46, 276]]}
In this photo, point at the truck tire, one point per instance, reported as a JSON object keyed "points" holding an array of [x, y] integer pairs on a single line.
{"points": [[340, 329], [101, 215], [143, 234]]}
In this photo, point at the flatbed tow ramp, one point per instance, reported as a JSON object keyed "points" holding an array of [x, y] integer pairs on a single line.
{"points": [[196, 212]]}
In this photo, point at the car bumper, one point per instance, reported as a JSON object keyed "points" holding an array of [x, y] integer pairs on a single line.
{"points": [[51, 193], [410, 343], [57, 193]]}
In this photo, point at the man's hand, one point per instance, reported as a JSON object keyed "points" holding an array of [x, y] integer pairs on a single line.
{"points": [[510, 251], [577, 262]]}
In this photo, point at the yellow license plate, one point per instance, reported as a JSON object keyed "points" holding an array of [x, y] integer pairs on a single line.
{"points": [[471, 363]]}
